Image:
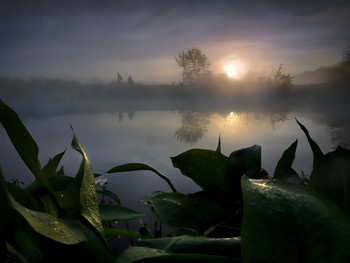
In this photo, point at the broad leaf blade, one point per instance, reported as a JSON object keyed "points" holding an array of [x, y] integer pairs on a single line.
{"points": [[109, 213], [200, 245], [52, 165], [121, 232], [88, 196], [140, 167], [5, 218], [331, 173], [286, 222], [331, 177], [316, 150], [206, 168], [23, 142], [141, 254], [61, 230], [246, 161], [284, 169], [22, 196], [186, 212]]}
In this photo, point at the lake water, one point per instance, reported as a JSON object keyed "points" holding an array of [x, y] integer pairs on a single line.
{"points": [[151, 137]]}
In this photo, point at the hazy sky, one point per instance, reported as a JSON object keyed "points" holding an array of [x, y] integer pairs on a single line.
{"points": [[94, 39]]}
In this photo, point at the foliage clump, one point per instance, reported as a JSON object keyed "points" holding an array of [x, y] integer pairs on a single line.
{"points": [[194, 65]]}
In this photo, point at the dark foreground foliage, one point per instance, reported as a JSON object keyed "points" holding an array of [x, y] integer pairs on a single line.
{"points": [[241, 214]]}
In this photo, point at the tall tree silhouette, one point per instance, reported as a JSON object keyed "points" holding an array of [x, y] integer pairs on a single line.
{"points": [[194, 65]]}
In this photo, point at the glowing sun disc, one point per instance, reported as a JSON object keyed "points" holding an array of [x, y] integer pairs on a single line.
{"points": [[231, 71]]}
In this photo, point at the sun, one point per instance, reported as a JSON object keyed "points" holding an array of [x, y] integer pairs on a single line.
{"points": [[231, 70]]}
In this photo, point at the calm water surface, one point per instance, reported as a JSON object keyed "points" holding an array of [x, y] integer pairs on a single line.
{"points": [[152, 137]]}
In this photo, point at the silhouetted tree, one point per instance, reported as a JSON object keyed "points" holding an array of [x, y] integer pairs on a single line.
{"points": [[194, 65], [130, 81], [119, 78], [282, 80]]}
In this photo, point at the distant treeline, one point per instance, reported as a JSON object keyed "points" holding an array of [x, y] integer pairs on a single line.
{"points": [[45, 96]]}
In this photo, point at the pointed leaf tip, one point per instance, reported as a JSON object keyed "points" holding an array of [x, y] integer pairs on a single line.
{"points": [[316, 150], [218, 148]]}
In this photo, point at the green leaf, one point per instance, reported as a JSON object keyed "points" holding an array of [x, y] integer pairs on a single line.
{"points": [[316, 150], [61, 230], [52, 165], [246, 161], [28, 248], [206, 168], [5, 217], [230, 247], [110, 213], [48, 205], [218, 148], [284, 170], [24, 143], [22, 196], [140, 167], [330, 175], [286, 222], [121, 232], [88, 196], [135, 254], [186, 212]]}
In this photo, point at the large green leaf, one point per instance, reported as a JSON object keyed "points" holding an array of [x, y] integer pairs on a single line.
{"points": [[22, 196], [61, 230], [58, 182], [121, 232], [109, 212], [52, 165], [186, 212], [206, 168], [331, 173], [316, 150], [200, 245], [145, 254], [246, 161], [140, 167], [28, 247], [24, 143], [5, 217], [88, 195], [286, 222], [284, 170]]}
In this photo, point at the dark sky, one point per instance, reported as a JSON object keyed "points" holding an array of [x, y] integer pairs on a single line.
{"points": [[93, 40]]}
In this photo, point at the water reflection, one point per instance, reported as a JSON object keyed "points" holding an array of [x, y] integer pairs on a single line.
{"points": [[278, 117], [273, 118], [193, 126], [131, 115]]}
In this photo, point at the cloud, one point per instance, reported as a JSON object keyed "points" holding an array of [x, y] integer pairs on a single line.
{"points": [[61, 36]]}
